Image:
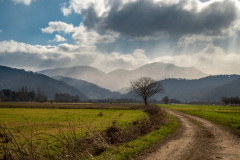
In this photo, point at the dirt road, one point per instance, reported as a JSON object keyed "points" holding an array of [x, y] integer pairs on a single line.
{"points": [[198, 139]]}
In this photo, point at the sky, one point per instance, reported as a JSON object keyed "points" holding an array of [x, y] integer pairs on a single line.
{"points": [[120, 34]]}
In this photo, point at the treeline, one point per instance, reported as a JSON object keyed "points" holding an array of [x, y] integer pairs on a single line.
{"points": [[230, 100], [64, 97], [167, 100], [23, 95]]}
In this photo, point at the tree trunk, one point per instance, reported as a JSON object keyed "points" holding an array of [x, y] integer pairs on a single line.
{"points": [[145, 101]]}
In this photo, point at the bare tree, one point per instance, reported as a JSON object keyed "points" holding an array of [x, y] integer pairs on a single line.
{"points": [[145, 87], [165, 100]]}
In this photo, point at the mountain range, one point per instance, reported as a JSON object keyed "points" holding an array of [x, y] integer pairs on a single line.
{"points": [[176, 81], [120, 78], [15, 79]]}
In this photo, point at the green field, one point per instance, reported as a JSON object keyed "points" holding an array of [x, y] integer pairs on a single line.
{"points": [[224, 115], [48, 129], [40, 126], [66, 105], [50, 120]]}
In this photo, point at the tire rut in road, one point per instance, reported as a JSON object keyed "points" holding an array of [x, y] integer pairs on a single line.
{"points": [[226, 143]]}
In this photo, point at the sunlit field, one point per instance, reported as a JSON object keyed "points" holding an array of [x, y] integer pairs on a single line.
{"points": [[67, 130], [50, 120], [224, 115], [40, 117], [39, 122]]}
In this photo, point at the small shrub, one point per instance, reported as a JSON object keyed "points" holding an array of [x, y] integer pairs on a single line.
{"points": [[113, 133]]}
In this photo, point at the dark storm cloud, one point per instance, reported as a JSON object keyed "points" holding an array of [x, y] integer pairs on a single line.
{"points": [[90, 17], [145, 18]]}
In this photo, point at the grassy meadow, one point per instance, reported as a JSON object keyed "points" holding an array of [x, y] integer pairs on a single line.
{"points": [[75, 130], [223, 115], [36, 122], [50, 120]]}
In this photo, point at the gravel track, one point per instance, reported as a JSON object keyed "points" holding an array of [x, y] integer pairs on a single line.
{"points": [[198, 139]]}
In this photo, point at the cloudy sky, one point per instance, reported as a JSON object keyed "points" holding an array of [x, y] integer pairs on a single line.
{"points": [[112, 34]]}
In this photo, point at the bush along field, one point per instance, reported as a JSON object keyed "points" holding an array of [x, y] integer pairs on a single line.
{"points": [[228, 116], [40, 133]]}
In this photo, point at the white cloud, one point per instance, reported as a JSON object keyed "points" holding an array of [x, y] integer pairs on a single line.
{"points": [[193, 39], [58, 38], [26, 2], [81, 34], [76, 6], [1, 31], [59, 26], [37, 57], [13, 46], [116, 60], [211, 60]]}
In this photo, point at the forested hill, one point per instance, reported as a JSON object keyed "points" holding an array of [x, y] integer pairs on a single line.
{"points": [[209, 88], [230, 89], [15, 79]]}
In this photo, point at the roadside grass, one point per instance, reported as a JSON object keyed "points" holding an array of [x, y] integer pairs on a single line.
{"points": [[224, 115], [132, 149]]}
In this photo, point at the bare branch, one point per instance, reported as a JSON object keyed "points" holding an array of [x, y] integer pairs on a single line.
{"points": [[145, 87]]}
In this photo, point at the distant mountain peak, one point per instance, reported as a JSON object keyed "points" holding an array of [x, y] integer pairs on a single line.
{"points": [[120, 78]]}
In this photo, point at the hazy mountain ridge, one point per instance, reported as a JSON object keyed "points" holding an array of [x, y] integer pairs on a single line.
{"points": [[209, 88], [164, 70], [89, 89], [157, 71], [205, 89], [121, 78], [86, 73], [78, 72], [15, 79]]}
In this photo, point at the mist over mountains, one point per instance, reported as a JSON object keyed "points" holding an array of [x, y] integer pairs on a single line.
{"points": [[120, 78], [91, 90], [182, 83]]}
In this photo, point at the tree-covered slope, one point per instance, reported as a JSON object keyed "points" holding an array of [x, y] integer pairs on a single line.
{"points": [[14, 79]]}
